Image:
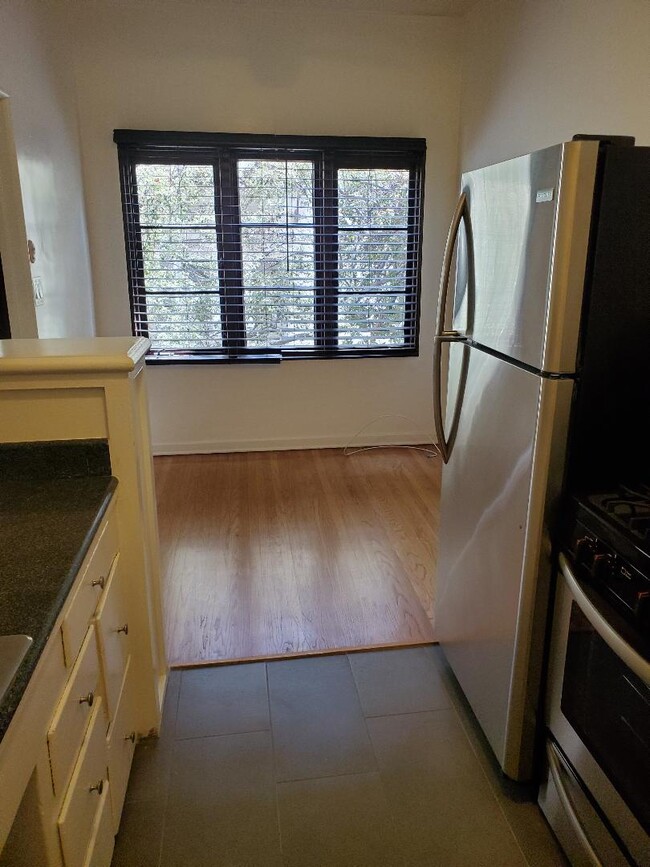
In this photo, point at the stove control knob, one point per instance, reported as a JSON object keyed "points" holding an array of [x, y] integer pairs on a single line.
{"points": [[603, 567], [585, 551]]}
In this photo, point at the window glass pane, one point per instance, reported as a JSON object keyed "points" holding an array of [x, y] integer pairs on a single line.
{"points": [[276, 191], [181, 260], [373, 197], [278, 257], [175, 194], [279, 320], [371, 320], [302, 267], [180, 256], [374, 260], [184, 322]]}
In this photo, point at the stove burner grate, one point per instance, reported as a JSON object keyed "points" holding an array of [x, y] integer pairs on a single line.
{"points": [[629, 507]]}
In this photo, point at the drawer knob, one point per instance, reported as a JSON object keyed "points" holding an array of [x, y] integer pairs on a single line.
{"points": [[98, 787], [99, 582], [130, 737], [88, 699], [124, 629]]}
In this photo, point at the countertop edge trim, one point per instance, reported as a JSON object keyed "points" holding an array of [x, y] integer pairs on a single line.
{"points": [[126, 361]]}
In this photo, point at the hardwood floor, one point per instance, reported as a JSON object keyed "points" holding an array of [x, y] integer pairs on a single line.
{"points": [[270, 554]]}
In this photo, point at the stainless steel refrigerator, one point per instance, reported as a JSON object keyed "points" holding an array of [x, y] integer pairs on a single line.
{"points": [[507, 338]]}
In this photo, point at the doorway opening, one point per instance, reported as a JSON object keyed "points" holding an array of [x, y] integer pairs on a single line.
{"points": [[17, 310], [295, 553], [5, 327]]}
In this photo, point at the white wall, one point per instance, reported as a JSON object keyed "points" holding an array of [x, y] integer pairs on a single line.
{"points": [[239, 67], [35, 73], [538, 71]]}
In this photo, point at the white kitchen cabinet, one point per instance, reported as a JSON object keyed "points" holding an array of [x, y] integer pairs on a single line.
{"points": [[72, 716], [121, 745], [86, 793], [112, 630], [68, 803], [90, 590], [102, 843], [107, 640]]}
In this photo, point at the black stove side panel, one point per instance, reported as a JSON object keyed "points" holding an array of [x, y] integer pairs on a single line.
{"points": [[610, 429]]}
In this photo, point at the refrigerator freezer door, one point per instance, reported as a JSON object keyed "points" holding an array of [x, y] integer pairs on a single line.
{"points": [[530, 220], [493, 565]]}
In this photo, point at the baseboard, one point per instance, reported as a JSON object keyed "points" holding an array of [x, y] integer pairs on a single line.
{"points": [[286, 444]]}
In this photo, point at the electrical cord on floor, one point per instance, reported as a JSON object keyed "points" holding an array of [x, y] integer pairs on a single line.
{"points": [[349, 450]]}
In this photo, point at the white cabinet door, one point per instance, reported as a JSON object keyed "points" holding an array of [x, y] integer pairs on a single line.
{"points": [[111, 622], [121, 745], [90, 589], [100, 851], [86, 793], [73, 713]]}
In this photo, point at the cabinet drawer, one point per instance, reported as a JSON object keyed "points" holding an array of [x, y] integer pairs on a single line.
{"points": [[112, 628], [73, 713], [90, 589], [121, 745], [102, 843], [85, 795]]}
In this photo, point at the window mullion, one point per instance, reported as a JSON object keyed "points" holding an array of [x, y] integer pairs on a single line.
{"points": [[229, 251]]}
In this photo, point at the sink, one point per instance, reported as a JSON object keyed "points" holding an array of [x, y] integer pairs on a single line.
{"points": [[12, 652]]}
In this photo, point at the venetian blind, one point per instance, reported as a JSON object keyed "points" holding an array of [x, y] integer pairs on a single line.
{"points": [[249, 247]]}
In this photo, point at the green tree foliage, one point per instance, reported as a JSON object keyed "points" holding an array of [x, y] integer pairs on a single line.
{"points": [[277, 232]]}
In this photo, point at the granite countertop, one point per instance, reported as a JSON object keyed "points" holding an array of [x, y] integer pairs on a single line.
{"points": [[49, 513]]}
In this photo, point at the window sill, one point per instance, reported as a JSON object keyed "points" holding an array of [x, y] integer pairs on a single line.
{"points": [[213, 358], [270, 357]]}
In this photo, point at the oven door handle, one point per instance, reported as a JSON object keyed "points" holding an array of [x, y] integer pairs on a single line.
{"points": [[554, 766], [634, 661]]}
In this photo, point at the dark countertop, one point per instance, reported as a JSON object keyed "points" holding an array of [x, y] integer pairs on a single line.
{"points": [[46, 528]]}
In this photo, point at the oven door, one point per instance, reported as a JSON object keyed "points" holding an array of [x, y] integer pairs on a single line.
{"points": [[598, 714]]}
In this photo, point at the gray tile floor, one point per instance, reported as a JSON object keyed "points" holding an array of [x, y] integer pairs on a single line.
{"points": [[362, 760]]}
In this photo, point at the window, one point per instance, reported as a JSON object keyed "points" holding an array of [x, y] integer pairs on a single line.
{"points": [[244, 248]]}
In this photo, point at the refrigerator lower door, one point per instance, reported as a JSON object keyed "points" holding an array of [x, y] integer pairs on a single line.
{"points": [[494, 567]]}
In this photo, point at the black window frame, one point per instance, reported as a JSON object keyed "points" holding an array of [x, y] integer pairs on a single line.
{"points": [[222, 150]]}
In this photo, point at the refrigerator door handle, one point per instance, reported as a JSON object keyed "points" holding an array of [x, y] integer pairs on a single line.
{"points": [[459, 214], [442, 442], [445, 444], [449, 337]]}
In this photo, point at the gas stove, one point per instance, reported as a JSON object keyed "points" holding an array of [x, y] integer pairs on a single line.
{"points": [[609, 540], [629, 508]]}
